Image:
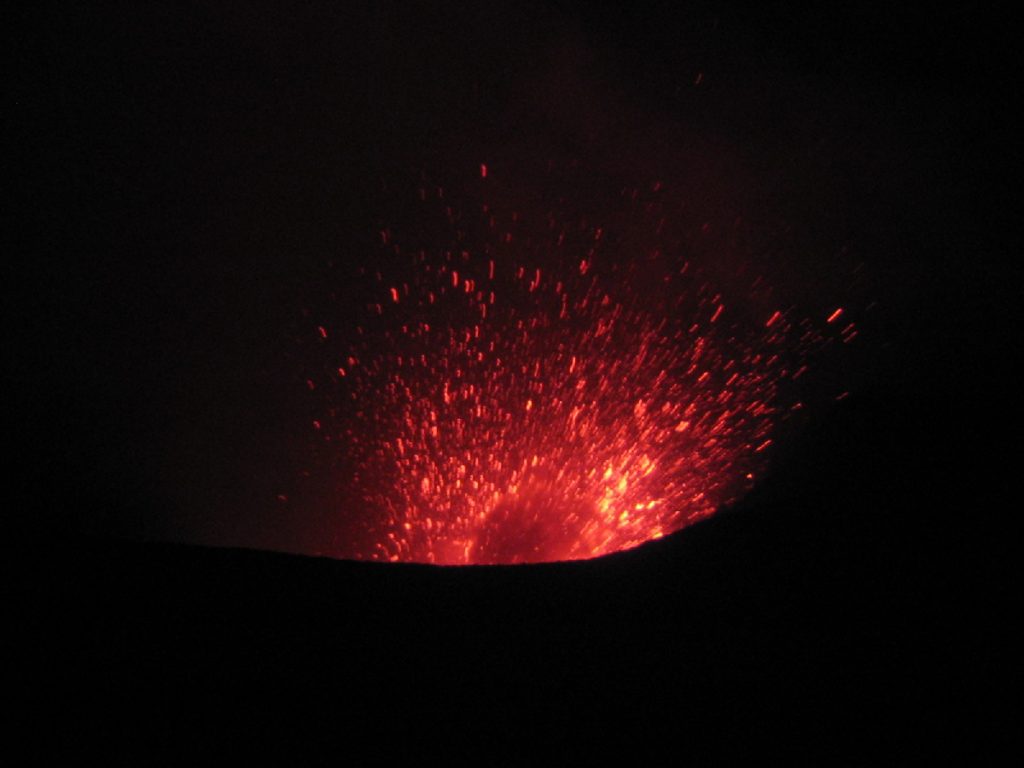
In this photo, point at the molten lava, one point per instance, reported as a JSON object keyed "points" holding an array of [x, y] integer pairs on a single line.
{"points": [[534, 386]]}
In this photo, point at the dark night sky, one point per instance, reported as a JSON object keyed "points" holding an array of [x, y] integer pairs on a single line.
{"points": [[183, 175]]}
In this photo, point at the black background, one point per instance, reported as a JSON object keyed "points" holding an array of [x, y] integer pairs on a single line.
{"points": [[182, 174]]}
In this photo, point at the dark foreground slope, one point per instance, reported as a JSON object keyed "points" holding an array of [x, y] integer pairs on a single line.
{"points": [[861, 591]]}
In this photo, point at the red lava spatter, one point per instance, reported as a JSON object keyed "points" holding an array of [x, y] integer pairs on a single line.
{"points": [[535, 387]]}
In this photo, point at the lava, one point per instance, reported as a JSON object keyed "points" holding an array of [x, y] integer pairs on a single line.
{"points": [[530, 382]]}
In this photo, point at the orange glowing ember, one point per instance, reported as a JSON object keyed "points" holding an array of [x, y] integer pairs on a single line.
{"points": [[524, 388]]}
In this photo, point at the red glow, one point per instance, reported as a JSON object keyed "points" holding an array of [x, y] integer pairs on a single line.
{"points": [[547, 388]]}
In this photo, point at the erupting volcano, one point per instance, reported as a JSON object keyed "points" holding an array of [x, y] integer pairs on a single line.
{"points": [[525, 380]]}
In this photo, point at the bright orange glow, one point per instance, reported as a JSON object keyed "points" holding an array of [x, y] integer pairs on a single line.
{"points": [[550, 388]]}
